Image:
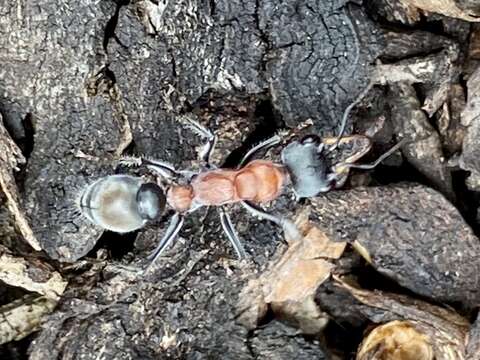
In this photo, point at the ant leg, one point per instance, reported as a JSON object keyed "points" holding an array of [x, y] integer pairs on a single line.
{"points": [[274, 140], [338, 178], [290, 229], [231, 233], [203, 132], [174, 227], [379, 160], [341, 170], [163, 168]]}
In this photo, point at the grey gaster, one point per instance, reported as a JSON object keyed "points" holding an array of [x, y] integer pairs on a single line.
{"points": [[122, 203]]}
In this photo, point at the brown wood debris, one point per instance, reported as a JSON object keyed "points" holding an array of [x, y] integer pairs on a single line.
{"points": [[10, 158], [32, 275], [445, 7], [289, 286], [430, 328], [23, 316]]}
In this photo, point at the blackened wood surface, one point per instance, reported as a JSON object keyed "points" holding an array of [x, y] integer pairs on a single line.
{"points": [[95, 77], [412, 234]]}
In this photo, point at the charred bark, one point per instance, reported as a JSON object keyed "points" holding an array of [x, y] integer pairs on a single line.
{"points": [[83, 83]]}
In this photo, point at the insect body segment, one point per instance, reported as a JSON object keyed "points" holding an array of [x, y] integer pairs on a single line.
{"points": [[308, 167], [259, 181], [121, 203], [311, 170]]}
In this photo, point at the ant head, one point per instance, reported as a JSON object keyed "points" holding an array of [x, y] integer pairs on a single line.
{"points": [[308, 166], [151, 201]]}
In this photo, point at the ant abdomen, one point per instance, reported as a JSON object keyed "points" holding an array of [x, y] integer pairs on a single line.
{"points": [[121, 203]]}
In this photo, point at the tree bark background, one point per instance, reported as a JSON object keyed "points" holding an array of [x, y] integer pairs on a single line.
{"points": [[84, 82]]}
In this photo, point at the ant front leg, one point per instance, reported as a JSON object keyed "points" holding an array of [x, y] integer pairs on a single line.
{"points": [[364, 144], [264, 145], [203, 132], [342, 169]]}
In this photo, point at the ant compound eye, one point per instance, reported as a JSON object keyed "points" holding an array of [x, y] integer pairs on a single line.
{"points": [[310, 139], [151, 201]]}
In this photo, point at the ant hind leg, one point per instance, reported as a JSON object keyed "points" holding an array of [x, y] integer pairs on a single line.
{"points": [[229, 230]]}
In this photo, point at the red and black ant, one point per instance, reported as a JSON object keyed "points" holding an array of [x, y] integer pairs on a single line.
{"points": [[124, 203]]}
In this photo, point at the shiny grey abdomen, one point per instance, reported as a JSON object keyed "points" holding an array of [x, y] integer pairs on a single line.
{"points": [[111, 202]]}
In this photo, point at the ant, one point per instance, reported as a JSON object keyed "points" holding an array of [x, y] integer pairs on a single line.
{"points": [[123, 203]]}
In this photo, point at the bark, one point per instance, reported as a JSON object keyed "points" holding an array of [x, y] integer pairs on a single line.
{"points": [[10, 161], [473, 347], [470, 118], [467, 10], [411, 234], [23, 316], [423, 148], [440, 331], [85, 82], [31, 275], [289, 287]]}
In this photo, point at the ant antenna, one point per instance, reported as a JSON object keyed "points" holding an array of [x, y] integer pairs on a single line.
{"points": [[379, 160], [347, 111]]}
